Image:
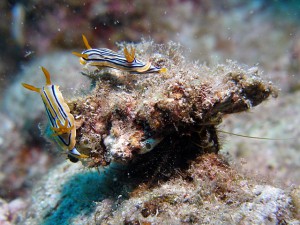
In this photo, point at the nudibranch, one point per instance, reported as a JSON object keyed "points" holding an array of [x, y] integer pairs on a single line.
{"points": [[104, 57], [62, 126]]}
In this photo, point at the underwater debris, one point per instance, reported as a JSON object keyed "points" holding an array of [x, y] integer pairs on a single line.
{"points": [[128, 115]]}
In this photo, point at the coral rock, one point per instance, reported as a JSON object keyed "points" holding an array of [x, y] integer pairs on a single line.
{"points": [[127, 115]]}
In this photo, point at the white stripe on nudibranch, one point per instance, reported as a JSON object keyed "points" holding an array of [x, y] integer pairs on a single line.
{"points": [[104, 57], [60, 119]]}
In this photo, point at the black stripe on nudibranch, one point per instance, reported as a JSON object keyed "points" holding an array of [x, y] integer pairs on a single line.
{"points": [[53, 124], [49, 102], [101, 55], [117, 62], [63, 140], [50, 117], [104, 57], [103, 52], [60, 108]]}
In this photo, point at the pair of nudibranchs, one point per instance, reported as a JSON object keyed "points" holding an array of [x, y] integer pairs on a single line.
{"points": [[62, 122]]}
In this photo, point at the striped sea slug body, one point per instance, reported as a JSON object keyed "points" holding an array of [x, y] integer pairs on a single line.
{"points": [[61, 121], [104, 57]]}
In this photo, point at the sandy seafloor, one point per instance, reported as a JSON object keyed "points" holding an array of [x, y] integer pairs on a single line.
{"points": [[33, 175]]}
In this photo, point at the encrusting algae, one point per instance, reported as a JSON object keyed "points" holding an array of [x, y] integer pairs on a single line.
{"points": [[129, 114]]}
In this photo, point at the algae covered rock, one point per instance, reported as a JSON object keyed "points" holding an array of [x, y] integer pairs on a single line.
{"points": [[127, 115]]}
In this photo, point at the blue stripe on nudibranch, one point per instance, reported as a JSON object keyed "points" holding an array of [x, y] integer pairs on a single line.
{"points": [[63, 140], [63, 129], [50, 117], [119, 60], [59, 113], [60, 107], [98, 58], [104, 57], [57, 102], [53, 124], [49, 103]]}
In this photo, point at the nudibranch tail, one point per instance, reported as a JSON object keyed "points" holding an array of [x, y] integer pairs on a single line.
{"points": [[163, 70], [86, 43], [62, 122], [74, 152], [130, 56]]}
